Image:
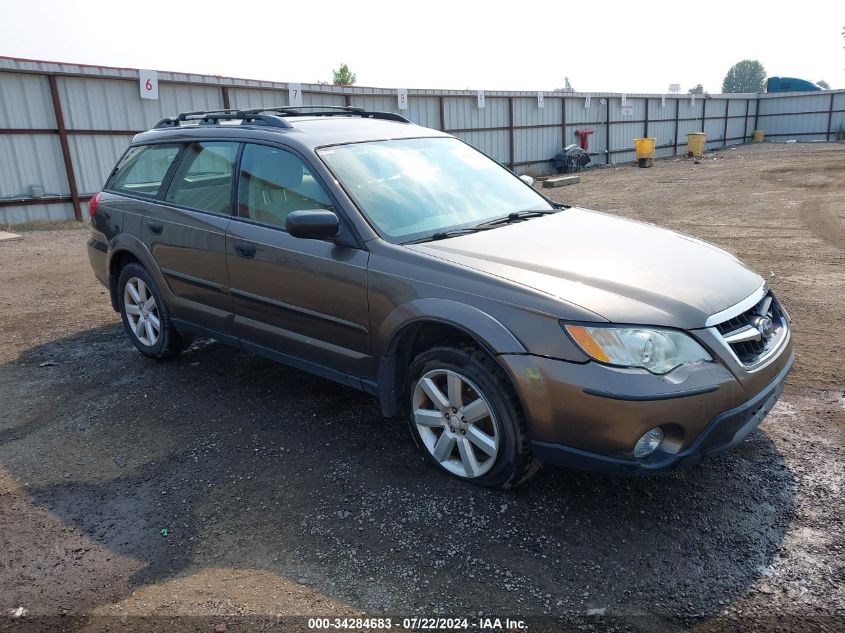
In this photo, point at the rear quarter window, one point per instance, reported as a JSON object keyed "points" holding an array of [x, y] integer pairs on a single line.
{"points": [[142, 169]]}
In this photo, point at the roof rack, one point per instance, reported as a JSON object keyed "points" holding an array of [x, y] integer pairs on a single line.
{"points": [[213, 117], [276, 119]]}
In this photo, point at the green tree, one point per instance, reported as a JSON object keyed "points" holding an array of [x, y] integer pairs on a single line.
{"points": [[343, 76], [698, 90], [745, 76], [823, 84]]}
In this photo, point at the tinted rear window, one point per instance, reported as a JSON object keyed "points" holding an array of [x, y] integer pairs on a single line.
{"points": [[203, 179], [142, 169]]}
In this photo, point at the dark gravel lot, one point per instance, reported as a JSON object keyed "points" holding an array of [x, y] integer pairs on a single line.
{"points": [[283, 494]]}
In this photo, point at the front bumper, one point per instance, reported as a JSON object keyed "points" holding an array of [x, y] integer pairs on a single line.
{"points": [[709, 413]]}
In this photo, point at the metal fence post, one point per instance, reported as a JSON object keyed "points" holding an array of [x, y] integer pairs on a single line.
{"points": [[757, 113], [224, 97], [725, 131], [60, 125], [645, 125], [563, 122], [829, 117], [677, 114], [607, 134], [745, 128], [442, 113], [510, 129]]}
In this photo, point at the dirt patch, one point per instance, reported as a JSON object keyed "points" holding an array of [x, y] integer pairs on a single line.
{"points": [[223, 487]]}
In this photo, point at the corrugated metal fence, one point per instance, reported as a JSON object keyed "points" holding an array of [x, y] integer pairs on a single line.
{"points": [[63, 126]]}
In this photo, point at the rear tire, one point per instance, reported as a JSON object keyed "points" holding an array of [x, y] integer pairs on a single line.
{"points": [[145, 316], [466, 419]]}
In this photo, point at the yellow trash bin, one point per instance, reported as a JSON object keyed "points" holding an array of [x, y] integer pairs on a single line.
{"points": [[759, 135], [695, 142], [645, 151]]}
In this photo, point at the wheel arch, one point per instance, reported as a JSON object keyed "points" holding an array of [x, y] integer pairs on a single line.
{"points": [[126, 249], [422, 324]]}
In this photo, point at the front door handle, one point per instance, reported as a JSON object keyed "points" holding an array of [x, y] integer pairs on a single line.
{"points": [[156, 228], [245, 250]]}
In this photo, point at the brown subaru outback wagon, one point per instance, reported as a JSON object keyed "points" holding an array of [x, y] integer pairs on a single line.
{"points": [[508, 329]]}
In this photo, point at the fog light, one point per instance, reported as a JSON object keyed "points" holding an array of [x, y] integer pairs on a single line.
{"points": [[648, 443]]}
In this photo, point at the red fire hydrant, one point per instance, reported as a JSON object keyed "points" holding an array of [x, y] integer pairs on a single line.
{"points": [[584, 137]]}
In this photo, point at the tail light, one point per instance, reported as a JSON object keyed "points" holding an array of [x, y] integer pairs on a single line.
{"points": [[94, 203]]}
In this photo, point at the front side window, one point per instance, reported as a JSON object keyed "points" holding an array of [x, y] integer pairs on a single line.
{"points": [[203, 179], [412, 188], [142, 169], [273, 183]]}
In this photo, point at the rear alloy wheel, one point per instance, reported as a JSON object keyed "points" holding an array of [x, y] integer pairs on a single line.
{"points": [[141, 311], [455, 423], [466, 419], [145, 316]]}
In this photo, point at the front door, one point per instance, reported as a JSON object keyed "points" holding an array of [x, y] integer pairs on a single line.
{"points": [[302, 299]]}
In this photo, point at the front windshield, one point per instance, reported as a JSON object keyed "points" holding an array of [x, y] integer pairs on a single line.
{"points": [[412, 188]]}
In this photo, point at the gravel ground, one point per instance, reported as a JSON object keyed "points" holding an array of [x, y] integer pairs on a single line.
{"points": [[222, 488]]}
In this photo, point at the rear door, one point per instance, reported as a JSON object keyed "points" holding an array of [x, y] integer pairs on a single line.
{"points": [[139, 179], [187, 234], [301, 299]]}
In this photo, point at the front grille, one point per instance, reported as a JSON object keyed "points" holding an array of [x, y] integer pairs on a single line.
{"points": [[742, 333]]}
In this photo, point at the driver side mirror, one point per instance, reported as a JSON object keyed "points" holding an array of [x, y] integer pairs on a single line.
{"points": [[528, 180], [313, 224]]}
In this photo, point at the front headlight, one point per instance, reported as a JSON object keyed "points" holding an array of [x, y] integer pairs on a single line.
{"points": [[657, 350]]}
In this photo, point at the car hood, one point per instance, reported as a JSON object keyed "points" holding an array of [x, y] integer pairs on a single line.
{"points": [[622, 270]]}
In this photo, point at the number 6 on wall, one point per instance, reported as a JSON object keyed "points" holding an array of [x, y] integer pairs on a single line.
{"points": [[148, 80]]}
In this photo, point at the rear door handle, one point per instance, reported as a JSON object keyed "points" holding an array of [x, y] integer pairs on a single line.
{"points": [[245, 250], [156, 228]]}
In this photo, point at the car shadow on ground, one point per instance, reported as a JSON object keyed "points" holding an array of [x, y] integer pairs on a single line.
{"points": [[250, 464]]}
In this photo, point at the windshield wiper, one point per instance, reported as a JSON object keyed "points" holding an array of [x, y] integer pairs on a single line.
{"points": [[442, 235], [517, 216]]}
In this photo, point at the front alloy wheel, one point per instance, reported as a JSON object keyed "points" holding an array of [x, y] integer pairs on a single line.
{"points": [[466, 418], [456, 423]]}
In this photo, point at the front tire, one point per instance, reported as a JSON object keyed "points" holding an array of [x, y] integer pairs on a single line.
{"points": [[145, 316], [466, 419]]}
